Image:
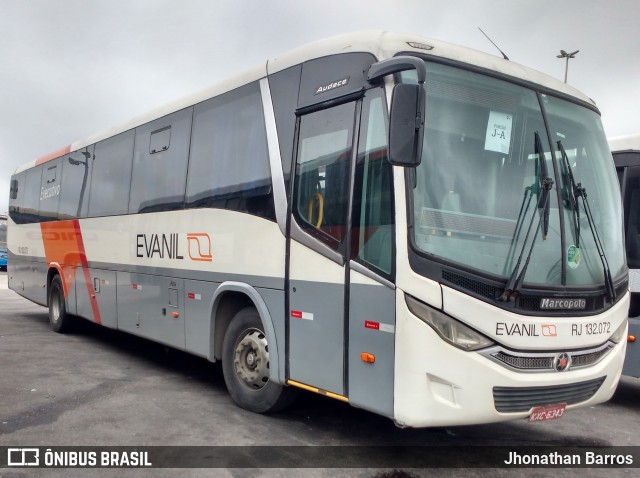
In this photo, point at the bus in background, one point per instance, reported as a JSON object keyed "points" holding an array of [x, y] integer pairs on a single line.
{"points": [[626, 156], [390, 221], [3, 242]]}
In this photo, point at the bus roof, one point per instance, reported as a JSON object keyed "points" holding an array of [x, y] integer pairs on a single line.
{"points": [[625, 143], [382, 44]]}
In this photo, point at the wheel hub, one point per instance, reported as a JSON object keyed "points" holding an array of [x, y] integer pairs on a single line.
{"points": [[251, 359]]}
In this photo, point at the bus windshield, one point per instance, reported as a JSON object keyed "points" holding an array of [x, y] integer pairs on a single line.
{"points": [[491, 189]]}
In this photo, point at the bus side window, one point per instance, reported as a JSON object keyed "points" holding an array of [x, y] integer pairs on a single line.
{"points": [[160, 158], [321, 189], [229, 159], [373, 217], [76, 175], [50, 191], [111, 175]]}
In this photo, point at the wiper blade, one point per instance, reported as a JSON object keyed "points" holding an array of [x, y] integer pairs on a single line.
{"points": [[514, 283], [574, 192], [542, 190], [577, 191], [544, 173]]}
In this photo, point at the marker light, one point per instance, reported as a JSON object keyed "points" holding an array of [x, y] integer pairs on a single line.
{"points": [[631, 339], [367, 357], [451, 330], [420, 46]]}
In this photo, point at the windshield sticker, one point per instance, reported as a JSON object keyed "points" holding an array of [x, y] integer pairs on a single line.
{"points": [[498, 136], [573, 257]]}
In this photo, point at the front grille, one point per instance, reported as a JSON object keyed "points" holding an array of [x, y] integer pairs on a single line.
{"points": [[526, 363], [523, 399], [544, 362], [590, 358]]}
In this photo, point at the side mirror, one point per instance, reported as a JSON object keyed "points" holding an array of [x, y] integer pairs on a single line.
{"points": [[406, 125]]}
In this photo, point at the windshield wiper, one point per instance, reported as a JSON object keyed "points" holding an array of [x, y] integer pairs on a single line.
{"points": [[577, 191], [573, 193], [542, 190], [545, 175]]}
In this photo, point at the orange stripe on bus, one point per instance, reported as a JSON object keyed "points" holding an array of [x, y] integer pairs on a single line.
{"points": [[53, 155], [63, 245], [87, 275]]}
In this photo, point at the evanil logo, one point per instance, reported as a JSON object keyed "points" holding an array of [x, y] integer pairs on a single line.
{"points": [[200, 247], [172, 246]]}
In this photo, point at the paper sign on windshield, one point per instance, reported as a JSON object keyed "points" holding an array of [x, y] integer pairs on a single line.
{"points": [[498, 132]]}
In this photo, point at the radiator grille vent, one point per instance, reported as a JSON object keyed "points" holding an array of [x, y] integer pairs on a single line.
{"points": [[523, 399]]}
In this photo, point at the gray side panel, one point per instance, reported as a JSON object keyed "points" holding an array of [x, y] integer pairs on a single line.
{"points": [[205, 276], [632, 359], [32, 282], [372, 330], [15, 269], [103, 288], [198, 300], [317, 339], [146, 305]]}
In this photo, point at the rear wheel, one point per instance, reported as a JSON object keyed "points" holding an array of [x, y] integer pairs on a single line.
{"points": [[60, 321], [246, 367]]}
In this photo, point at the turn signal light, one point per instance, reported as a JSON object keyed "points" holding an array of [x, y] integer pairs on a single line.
{"points": [[367, 357], [175, 315], [632, 338]]}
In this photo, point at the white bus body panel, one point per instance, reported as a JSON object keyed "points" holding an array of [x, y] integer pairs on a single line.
{"points": [[443, 386], [531, 333]]}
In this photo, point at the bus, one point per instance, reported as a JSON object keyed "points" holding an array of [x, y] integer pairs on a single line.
{"points": [[626, 156], [387, 220], [3, 242]]}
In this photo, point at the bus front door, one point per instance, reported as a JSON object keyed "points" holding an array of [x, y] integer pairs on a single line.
{"points": [[317, 245]]}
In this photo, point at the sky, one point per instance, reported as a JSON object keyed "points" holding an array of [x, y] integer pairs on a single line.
{"points": [[73, 68]]}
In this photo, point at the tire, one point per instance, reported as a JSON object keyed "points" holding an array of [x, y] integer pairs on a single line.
{"points": [[245, 365], [59, 319]]}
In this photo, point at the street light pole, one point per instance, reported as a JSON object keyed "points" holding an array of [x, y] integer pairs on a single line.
{"points": [[564, 54]]}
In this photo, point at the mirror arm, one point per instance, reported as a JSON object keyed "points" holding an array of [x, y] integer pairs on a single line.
{"points": [[396, 65]]}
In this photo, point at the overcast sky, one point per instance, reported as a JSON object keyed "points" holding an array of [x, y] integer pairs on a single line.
{"points": [[72, 68]]}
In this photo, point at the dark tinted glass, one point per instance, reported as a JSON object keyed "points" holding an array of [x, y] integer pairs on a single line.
{"points": [[229, 164], [50, 190], [76, 175], [111, 176], [160, 163]]}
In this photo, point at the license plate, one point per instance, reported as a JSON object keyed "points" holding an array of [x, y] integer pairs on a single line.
{"points": [[548, 412]]}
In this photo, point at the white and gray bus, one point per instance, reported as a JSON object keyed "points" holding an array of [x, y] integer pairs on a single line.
{"points": [[390, 221], [626, 156]]}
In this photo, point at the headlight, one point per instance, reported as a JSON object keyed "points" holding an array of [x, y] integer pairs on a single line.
{"points": [[619, 334], [451, 330]]}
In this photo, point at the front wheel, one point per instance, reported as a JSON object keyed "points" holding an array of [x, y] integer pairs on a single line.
{"points": [[59, 319], [246, 367]]}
